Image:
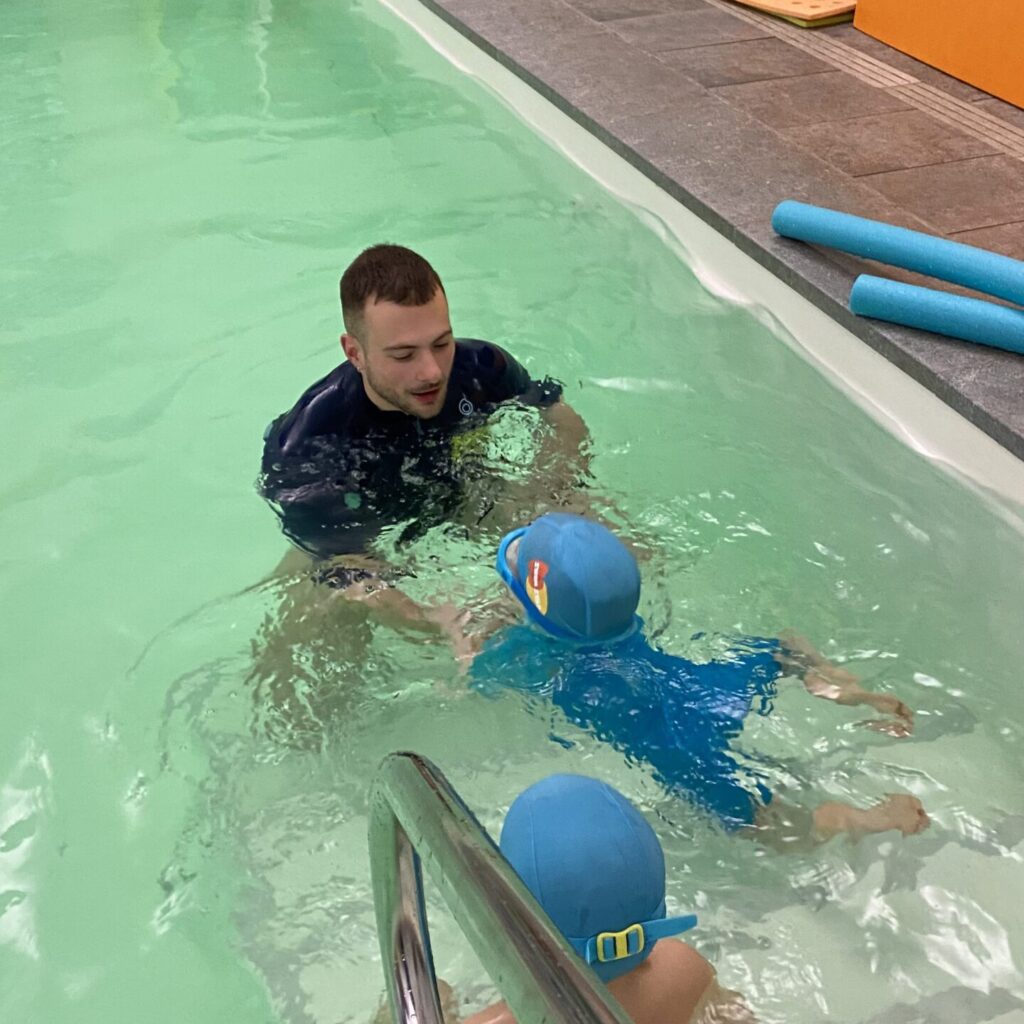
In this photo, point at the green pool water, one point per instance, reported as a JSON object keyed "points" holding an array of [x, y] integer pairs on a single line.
{"points": [[181, 185]]}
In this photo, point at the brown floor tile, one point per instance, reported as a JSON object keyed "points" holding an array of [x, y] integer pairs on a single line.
{"points": [[611, 10], [887, 142], [810, 99], [903, 62], [751, 60], [1007, 111], [958, 196], [1007, 239], [678, 30]]}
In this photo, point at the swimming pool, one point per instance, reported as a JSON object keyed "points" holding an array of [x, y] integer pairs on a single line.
{"points": [[182, 184]]}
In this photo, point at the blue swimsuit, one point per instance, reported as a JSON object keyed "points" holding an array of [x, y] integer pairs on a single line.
{"points": [[677, 716]]}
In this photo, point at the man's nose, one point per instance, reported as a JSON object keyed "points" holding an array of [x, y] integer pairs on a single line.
{"points": [[429, 370]]}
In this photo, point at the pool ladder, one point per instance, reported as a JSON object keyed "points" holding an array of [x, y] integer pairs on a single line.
{"points": [[416, 819]]}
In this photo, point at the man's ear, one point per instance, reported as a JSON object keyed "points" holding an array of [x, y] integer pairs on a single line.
{"points": [[353, 352]]}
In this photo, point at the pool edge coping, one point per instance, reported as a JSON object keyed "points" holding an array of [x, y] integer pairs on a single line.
{"points": [[810, 273]]}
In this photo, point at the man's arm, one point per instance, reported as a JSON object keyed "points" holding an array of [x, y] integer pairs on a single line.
{"points": [[392, 607], [568, 440], [309, 607]]}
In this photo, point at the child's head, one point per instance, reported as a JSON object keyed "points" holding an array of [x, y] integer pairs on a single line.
{"points": [[574, 577], [595, 865]]}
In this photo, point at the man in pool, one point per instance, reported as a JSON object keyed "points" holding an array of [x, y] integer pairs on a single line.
{"points": [[390, 438], [387, 437], [376, 442], [584, 649]]}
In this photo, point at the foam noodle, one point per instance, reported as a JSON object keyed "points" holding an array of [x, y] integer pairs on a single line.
{"points": [[954, 315], [961, 264]]}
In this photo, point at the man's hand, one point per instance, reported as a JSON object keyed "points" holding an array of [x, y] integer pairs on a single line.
{"points": [[452, 622]]}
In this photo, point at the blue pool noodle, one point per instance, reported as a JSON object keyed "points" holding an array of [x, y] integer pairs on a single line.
{"points": [[954, 315], [966, 265]]}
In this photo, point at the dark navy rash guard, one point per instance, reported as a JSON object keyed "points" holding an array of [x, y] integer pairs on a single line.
{"points": [[337, 470]]}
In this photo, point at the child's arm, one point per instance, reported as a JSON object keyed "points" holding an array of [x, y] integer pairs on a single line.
{"points": [[786, 827], [823, 678]]}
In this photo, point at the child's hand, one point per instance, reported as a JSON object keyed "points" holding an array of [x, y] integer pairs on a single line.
{"points": [[835, 683], [449, 1002], [900, 725], [899, 811]]}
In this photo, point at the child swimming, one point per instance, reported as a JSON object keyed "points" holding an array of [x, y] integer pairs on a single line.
{"points": [[584, 649], [595, 866]]}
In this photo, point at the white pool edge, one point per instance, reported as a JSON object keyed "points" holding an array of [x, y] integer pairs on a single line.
{"points": [[906, 409]]}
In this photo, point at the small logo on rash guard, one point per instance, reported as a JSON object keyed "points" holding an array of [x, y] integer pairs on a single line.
{"points": [[536, 588], [466, 407]]}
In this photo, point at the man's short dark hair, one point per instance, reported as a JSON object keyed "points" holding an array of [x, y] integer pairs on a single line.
{"points": [[388, 273]]}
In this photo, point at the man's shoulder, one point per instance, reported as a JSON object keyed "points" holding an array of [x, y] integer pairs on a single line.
{"points": [[485, 357], [487, 375], [324, 408]]}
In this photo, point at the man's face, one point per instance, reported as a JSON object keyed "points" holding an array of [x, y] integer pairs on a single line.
{"points": [[404, 354]]}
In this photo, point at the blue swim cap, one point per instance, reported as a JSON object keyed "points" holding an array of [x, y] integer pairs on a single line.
{"points": [[595, 865], [574, 577]]}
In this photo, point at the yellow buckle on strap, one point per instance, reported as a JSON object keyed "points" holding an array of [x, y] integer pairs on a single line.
{"points": [[620, 943]]}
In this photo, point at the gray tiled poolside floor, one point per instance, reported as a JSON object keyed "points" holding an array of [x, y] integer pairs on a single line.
{"points": [[731, 111]]}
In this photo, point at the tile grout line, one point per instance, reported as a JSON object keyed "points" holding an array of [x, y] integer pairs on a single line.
{"points": [[868, 69], [985, 227], [1006, 142], [919, 167], [952, 102], [941, 101]]}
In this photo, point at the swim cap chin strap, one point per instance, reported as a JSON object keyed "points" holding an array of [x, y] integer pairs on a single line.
{"points": [[513, 583], [608, 946]]}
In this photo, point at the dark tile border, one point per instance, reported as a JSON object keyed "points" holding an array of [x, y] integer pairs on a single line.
{"points": [[730, 170]]}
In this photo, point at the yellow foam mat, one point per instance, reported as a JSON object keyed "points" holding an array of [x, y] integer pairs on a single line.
{"points": [[807, 13]]}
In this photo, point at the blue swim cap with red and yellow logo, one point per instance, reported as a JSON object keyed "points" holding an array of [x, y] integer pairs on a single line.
{"points": [[574, 577]]}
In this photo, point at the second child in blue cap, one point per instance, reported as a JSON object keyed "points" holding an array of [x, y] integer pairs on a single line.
{"points": [[596, 867], [584, 648]]}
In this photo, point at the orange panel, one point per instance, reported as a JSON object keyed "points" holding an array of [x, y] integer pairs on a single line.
{"points": [[804, 10], [978, 41]]}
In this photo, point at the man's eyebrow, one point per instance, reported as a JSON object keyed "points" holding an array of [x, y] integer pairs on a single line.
{"points": [[398, 348]]}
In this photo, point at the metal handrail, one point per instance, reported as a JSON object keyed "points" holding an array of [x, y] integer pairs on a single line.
{"points": [[416, 816]]}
